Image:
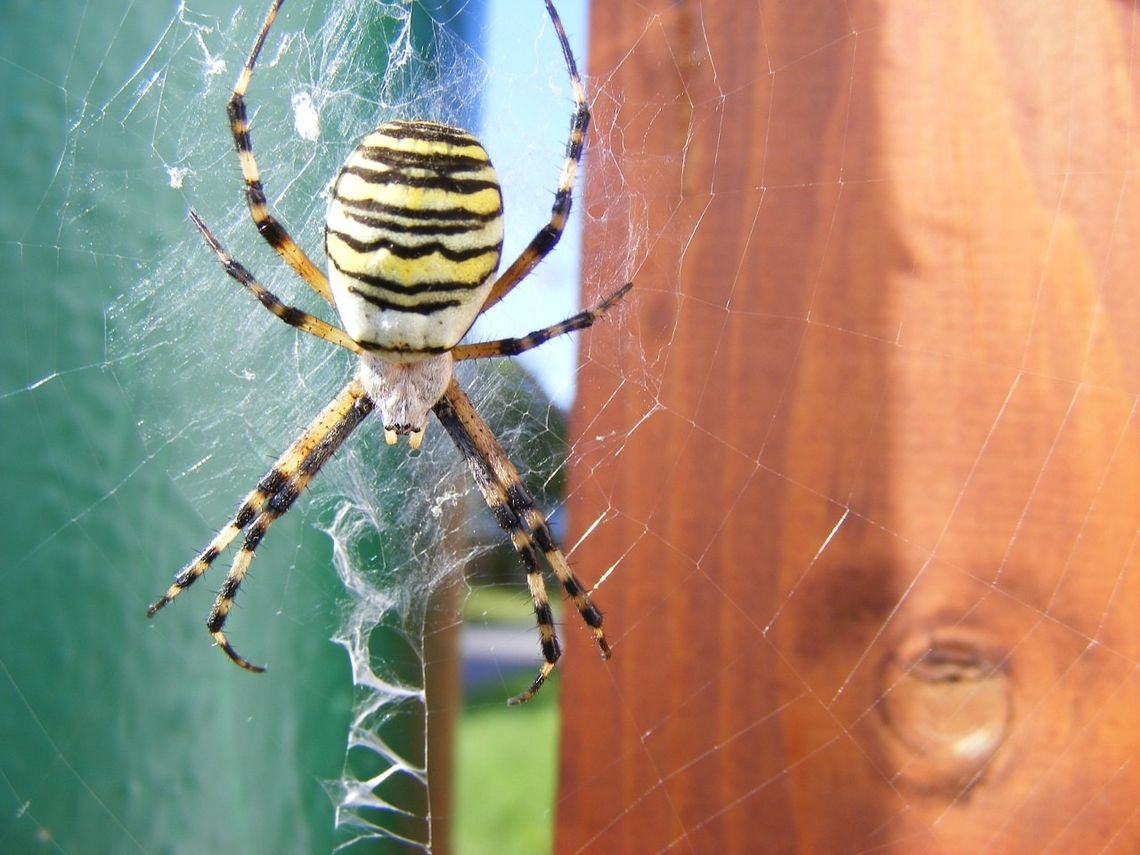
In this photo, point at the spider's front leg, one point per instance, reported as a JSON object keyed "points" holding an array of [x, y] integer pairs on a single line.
{"points": [[273, 496], [514, 510], [350, 408]]}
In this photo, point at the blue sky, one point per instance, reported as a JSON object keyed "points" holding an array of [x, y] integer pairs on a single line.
{"points": [[526, 119]]}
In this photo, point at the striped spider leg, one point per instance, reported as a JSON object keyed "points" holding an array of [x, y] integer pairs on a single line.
{"points": [[269, 500], [549, 235], [413, 237], [514, 510], [267, 225]]}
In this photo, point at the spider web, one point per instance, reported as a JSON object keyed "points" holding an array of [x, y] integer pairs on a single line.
{"points": [[143, 394]]}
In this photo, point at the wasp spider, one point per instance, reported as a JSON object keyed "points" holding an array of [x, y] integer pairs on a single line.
{"points": [[413, 235]]}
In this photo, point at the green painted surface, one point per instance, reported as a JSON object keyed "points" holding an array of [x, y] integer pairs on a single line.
{"points": [[118, 734]]}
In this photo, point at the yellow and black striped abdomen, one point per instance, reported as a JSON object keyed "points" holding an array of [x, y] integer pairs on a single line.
{"points": [[414, 233]]}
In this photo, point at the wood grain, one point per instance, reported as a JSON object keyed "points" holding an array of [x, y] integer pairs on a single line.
{"points": [[865, 446]]}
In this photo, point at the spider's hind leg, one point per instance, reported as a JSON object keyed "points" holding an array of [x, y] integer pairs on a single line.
{"points": [[267, 225], [551, 232]]}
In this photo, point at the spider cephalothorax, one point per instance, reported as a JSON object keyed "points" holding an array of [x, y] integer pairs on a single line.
{"points": [[413, 236]]}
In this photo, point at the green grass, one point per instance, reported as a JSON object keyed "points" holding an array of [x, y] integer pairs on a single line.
{"points": [[506, 761], [502, 604]]}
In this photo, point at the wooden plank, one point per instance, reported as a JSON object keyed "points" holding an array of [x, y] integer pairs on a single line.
{"points": [[864, 445]]}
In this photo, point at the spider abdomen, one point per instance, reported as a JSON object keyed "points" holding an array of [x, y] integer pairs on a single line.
{"points": [[413, 234]]}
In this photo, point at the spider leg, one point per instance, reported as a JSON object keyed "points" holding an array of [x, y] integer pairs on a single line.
{"points": [[515, 346], [278, 478], [291, 315], [515, 511], [346, 413], [543, 242], [269, 227]]}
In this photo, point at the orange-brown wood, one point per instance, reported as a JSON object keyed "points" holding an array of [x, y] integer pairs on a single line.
{"points": [[864, 446]]}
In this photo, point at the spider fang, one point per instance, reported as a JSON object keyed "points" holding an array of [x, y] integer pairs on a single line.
{"points": [[415, 438]]}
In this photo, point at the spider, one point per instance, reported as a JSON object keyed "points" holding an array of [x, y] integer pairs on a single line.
{"points": [[413, 237]]}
